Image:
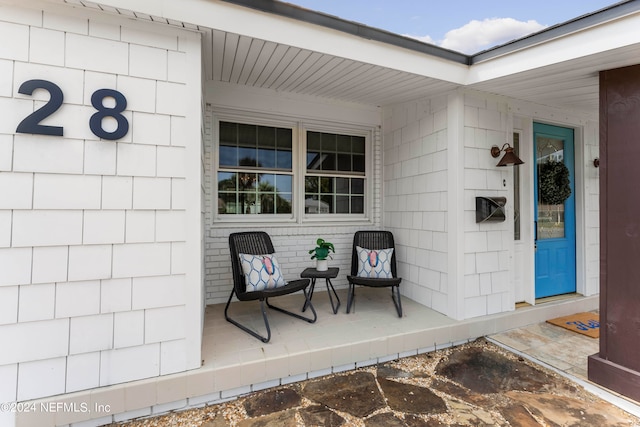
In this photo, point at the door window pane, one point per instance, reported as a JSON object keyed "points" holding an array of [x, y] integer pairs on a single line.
{"points": [[551, 224]]}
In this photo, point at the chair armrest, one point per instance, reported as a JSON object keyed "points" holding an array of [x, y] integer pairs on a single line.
{"points": [[375, 282]]}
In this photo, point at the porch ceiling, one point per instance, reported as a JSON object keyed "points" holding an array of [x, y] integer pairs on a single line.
{"points": [[571, 84], [252, 62], [242, 60]]}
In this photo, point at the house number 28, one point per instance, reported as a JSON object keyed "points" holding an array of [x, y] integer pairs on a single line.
{"points": [[31, 123]]}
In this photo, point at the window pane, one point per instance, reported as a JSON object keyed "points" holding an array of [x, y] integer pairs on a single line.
{"points": [[227, 203], [328, 161], [516, 189], [228, 156], [358, 163], [266, 137], [313, 160], [357, 205], [284, 183], [284, 139], [313, 141], [266, 158], [326, 185], [344, 144], [328, 202], [228, 133], [247, 135], [342, 185], [312, 184], [344, 162], [266, 204], [283, 203], [284, 144], [551, 221], [284, 159], [247, 181], [342, 204], [357, 144], [247, 203], [248, 157], [227, 181], [328, 143], [357, 186]]}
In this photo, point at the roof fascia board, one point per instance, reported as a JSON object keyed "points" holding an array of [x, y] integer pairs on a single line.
{"points": [[605, 37], [239, 19]]}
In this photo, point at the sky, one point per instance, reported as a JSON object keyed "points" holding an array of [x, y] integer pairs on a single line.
{"points": [[467, 26]]}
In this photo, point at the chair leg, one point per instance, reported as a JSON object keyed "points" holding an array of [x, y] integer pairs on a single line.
{"points": [[307, 297], [350, 296], [395, 295], [246, 329]]}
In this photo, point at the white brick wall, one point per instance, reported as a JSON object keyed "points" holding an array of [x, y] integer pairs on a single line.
{"points": [[93, 234]]}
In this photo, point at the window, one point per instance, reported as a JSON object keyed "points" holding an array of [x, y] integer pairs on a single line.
{"points": [[255, 169], [516, 189], [261, 171], [334, 181]]}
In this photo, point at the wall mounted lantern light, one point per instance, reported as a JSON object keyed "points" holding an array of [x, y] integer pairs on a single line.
{"points": [[509, 157]]}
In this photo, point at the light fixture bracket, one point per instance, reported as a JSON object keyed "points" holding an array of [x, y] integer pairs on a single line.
{"points": [[495, 151]]}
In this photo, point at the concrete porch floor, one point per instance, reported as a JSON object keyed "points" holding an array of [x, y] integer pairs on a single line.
{"points": [[373, 333], [340, 342], [234, 363]]}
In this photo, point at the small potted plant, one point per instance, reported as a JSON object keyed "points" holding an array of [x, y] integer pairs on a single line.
{"points": [[321, 253]]}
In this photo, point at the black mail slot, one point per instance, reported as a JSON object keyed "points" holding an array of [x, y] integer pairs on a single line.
{"points": [[490, 209]]}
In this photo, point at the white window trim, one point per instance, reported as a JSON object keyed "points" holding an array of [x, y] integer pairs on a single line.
{"points": [[299, 149]]}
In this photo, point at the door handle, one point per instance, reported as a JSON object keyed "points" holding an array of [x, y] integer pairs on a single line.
{"points": [[535, 236]]}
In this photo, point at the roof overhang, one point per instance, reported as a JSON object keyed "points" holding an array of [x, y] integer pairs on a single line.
{"points": [[282, 47]]}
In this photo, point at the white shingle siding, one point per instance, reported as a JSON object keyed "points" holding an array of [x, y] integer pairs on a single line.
{"points": [[415, 188], [485, 245], [93, 233]]}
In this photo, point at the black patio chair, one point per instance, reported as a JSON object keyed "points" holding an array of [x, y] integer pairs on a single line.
{"points": [[375, 242], [259, 243]]}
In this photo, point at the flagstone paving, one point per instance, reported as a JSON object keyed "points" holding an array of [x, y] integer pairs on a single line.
{"points": [[476, 384]]}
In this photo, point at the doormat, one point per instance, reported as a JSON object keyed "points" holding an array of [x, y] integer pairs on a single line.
{"points": [[583, 323]]}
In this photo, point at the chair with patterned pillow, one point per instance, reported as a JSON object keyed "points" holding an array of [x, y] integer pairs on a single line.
{"points": [[373, 263], [257, 276]]}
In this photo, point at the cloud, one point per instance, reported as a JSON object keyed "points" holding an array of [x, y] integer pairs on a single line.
{"points": [[424, 39], [479, 35]]}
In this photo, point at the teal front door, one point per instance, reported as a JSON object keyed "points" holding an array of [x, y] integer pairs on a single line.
{"points": [[555, 223]]}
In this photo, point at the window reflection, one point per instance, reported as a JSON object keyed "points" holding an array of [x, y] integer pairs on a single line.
{"points": [[255, 169], [550, 221]]}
